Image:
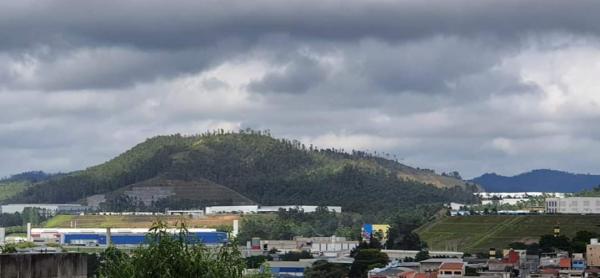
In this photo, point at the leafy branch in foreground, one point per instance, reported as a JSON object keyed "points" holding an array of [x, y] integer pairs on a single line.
{"points": [[172, 255]]}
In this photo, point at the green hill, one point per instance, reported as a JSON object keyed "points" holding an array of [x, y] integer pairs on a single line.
{"points": [[15, 184], [479, 233], [260, 168], [9, 189]]}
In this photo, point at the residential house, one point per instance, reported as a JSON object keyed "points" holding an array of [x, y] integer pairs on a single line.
{"points": [[451, 270], [593, 253], [433, 265]]}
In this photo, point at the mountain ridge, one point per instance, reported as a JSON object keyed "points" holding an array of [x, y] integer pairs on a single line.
{"points": [[264, 169], [544, 180]]}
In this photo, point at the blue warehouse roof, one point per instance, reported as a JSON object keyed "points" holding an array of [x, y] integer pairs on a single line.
{"points": [[209, 238]]}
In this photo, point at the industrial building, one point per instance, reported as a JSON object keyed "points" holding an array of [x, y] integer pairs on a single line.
{"points": [[192, 213], [265, 209], [321, 246], [517, 195], [50, 209], [403, 254], [574, 205], [118, 236], [208, 238], [231, 209]]}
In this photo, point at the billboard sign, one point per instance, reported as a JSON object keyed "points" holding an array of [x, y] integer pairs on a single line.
{"points": [[379, 231]]}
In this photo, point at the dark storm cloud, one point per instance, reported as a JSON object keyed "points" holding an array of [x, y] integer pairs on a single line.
{"points": [[297, 77], [181, 24], [111, 44], [109, 67], [426, 65]]}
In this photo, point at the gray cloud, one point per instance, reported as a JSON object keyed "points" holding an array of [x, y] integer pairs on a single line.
{"points": [[107, 67], [297, 77], [100, 44], [152, 24], [501, 86]]}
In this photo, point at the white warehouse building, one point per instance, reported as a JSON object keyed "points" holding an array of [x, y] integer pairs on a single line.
{"points": [[265, 209], [49, 208], [574, 205]]}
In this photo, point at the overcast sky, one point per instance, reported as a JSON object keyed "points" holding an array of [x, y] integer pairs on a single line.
{"points": [[474, 86]]}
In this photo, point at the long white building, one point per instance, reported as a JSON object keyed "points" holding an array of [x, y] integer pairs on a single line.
{"points": [[49, 208], [259, 209], [574, 205], [517, 195]]}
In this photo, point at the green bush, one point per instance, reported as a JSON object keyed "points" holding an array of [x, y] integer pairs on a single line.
{"points": [[170, 256]]}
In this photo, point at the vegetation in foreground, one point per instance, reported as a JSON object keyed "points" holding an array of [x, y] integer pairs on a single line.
{"points": [[172, 256]]}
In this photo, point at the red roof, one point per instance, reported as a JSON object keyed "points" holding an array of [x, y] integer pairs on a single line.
{"points": [[565, 263], [414, 274], [452, 266]]}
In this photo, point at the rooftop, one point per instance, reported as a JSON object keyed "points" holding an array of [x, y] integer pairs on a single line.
{"points": [[442, 260], [452, 266], [565, 262]]}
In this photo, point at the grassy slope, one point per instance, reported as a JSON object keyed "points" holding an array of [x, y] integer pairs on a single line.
{"points": [[200, 190], [135, 221], [479, 233]]}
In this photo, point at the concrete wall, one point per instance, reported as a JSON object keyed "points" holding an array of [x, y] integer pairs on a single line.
{"points": [[67, 265]]}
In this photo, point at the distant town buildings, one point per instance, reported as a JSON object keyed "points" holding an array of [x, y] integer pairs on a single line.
{"points": [[518, 195], [433, 265], [575, 205], [512, 198], [266, 209]]}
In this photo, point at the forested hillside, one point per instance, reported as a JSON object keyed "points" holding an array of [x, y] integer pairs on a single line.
{"points": [[15, 184], [261, 168]]}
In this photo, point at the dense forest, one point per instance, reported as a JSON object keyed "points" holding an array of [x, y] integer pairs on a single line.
{"points": [[11, 186], [262, 168]]}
